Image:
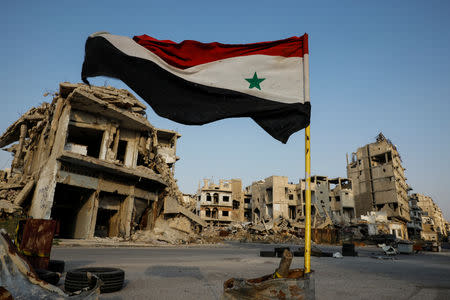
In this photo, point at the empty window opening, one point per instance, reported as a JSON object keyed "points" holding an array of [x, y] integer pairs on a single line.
{"points": [[257, 213], [141, 159], [225, 213], [292, 212], [338, 198], [216, 198], [85, 141], [208, 197], [208, 212], [389, 156], [121, 151], [348, 212], [226, 198], [247, 200], [291, 197], [236, 204], [378, 159]]}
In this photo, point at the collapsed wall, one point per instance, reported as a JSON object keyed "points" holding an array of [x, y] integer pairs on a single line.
{"points": [[91, 160]]}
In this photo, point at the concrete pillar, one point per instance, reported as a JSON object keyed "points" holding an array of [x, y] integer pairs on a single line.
{"points": [[41, 205], [84, 218], [95, 202]]}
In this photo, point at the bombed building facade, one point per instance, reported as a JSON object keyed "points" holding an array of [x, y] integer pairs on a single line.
{"points": [[275, 197], [220, 204], [92, 161], [433, 222], [416, 213], [379, 181], [331, 200]]}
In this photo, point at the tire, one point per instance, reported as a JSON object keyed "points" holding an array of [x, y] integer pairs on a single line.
{"points": [[267, 253], [112, 279], [48, 276], [56, 266]]}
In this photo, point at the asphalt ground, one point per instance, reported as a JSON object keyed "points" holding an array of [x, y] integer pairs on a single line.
{"points": [[198, 272]]}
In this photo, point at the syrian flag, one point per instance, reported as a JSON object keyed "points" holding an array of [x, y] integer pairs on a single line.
{"points": [[196, 83]]}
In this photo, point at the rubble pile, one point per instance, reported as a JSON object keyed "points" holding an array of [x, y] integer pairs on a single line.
{"points": [[280, 231], [174, 231]]}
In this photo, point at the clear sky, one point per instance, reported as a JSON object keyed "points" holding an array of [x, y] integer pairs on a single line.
{"points": [[375, 66]]}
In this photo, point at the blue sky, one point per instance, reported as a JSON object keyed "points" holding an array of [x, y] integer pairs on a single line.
{"points": [[375, 66]]}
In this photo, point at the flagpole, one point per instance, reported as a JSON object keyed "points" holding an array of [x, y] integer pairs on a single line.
{"points": [[307, 201], [307, 255]]}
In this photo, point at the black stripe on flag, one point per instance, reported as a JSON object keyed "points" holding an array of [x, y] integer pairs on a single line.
{"points": [[186, 102]]}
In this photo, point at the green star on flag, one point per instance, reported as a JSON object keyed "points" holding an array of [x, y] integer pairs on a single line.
{"points": [[255, 81]]}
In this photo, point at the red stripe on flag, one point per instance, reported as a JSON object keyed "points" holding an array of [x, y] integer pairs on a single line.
{"points": [[192, 53]]}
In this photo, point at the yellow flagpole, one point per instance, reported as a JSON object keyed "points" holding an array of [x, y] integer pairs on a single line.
{"points": [[307, 201], [307, 166]]}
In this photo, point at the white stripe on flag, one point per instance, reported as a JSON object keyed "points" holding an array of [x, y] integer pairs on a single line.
{"points": [[283, 77]]}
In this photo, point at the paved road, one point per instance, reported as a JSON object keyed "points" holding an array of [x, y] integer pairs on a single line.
{"points": [[199, 272]]}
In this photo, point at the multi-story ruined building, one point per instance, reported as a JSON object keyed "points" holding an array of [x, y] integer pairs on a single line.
{"points": [[248, 204], [92, 161], [320, 196], [432, 216], [415, 212], [331, 199], [342, 202], [274, 197], [379, 182], [221, 204]]}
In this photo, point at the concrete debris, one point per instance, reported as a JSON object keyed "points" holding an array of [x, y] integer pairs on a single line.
{"points": [[296, 285], [273, 232], [167, 232], [20, 280], [8, 207], [388, 250]]}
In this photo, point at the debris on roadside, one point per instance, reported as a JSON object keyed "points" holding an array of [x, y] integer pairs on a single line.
{"points": [[284, 283], [20, 280], [388, 250]]}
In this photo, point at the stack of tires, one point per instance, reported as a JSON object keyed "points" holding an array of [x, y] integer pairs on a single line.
{"points": [[78, 279]]}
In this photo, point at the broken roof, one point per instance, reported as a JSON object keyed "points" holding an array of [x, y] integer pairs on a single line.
{"points": [[108, 101]]}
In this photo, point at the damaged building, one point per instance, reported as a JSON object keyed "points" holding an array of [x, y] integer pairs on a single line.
{"points": [[433, 221], [414, 226], [221, 204], [92, 161], [379, 182], [332, 200], [275, 197]]}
